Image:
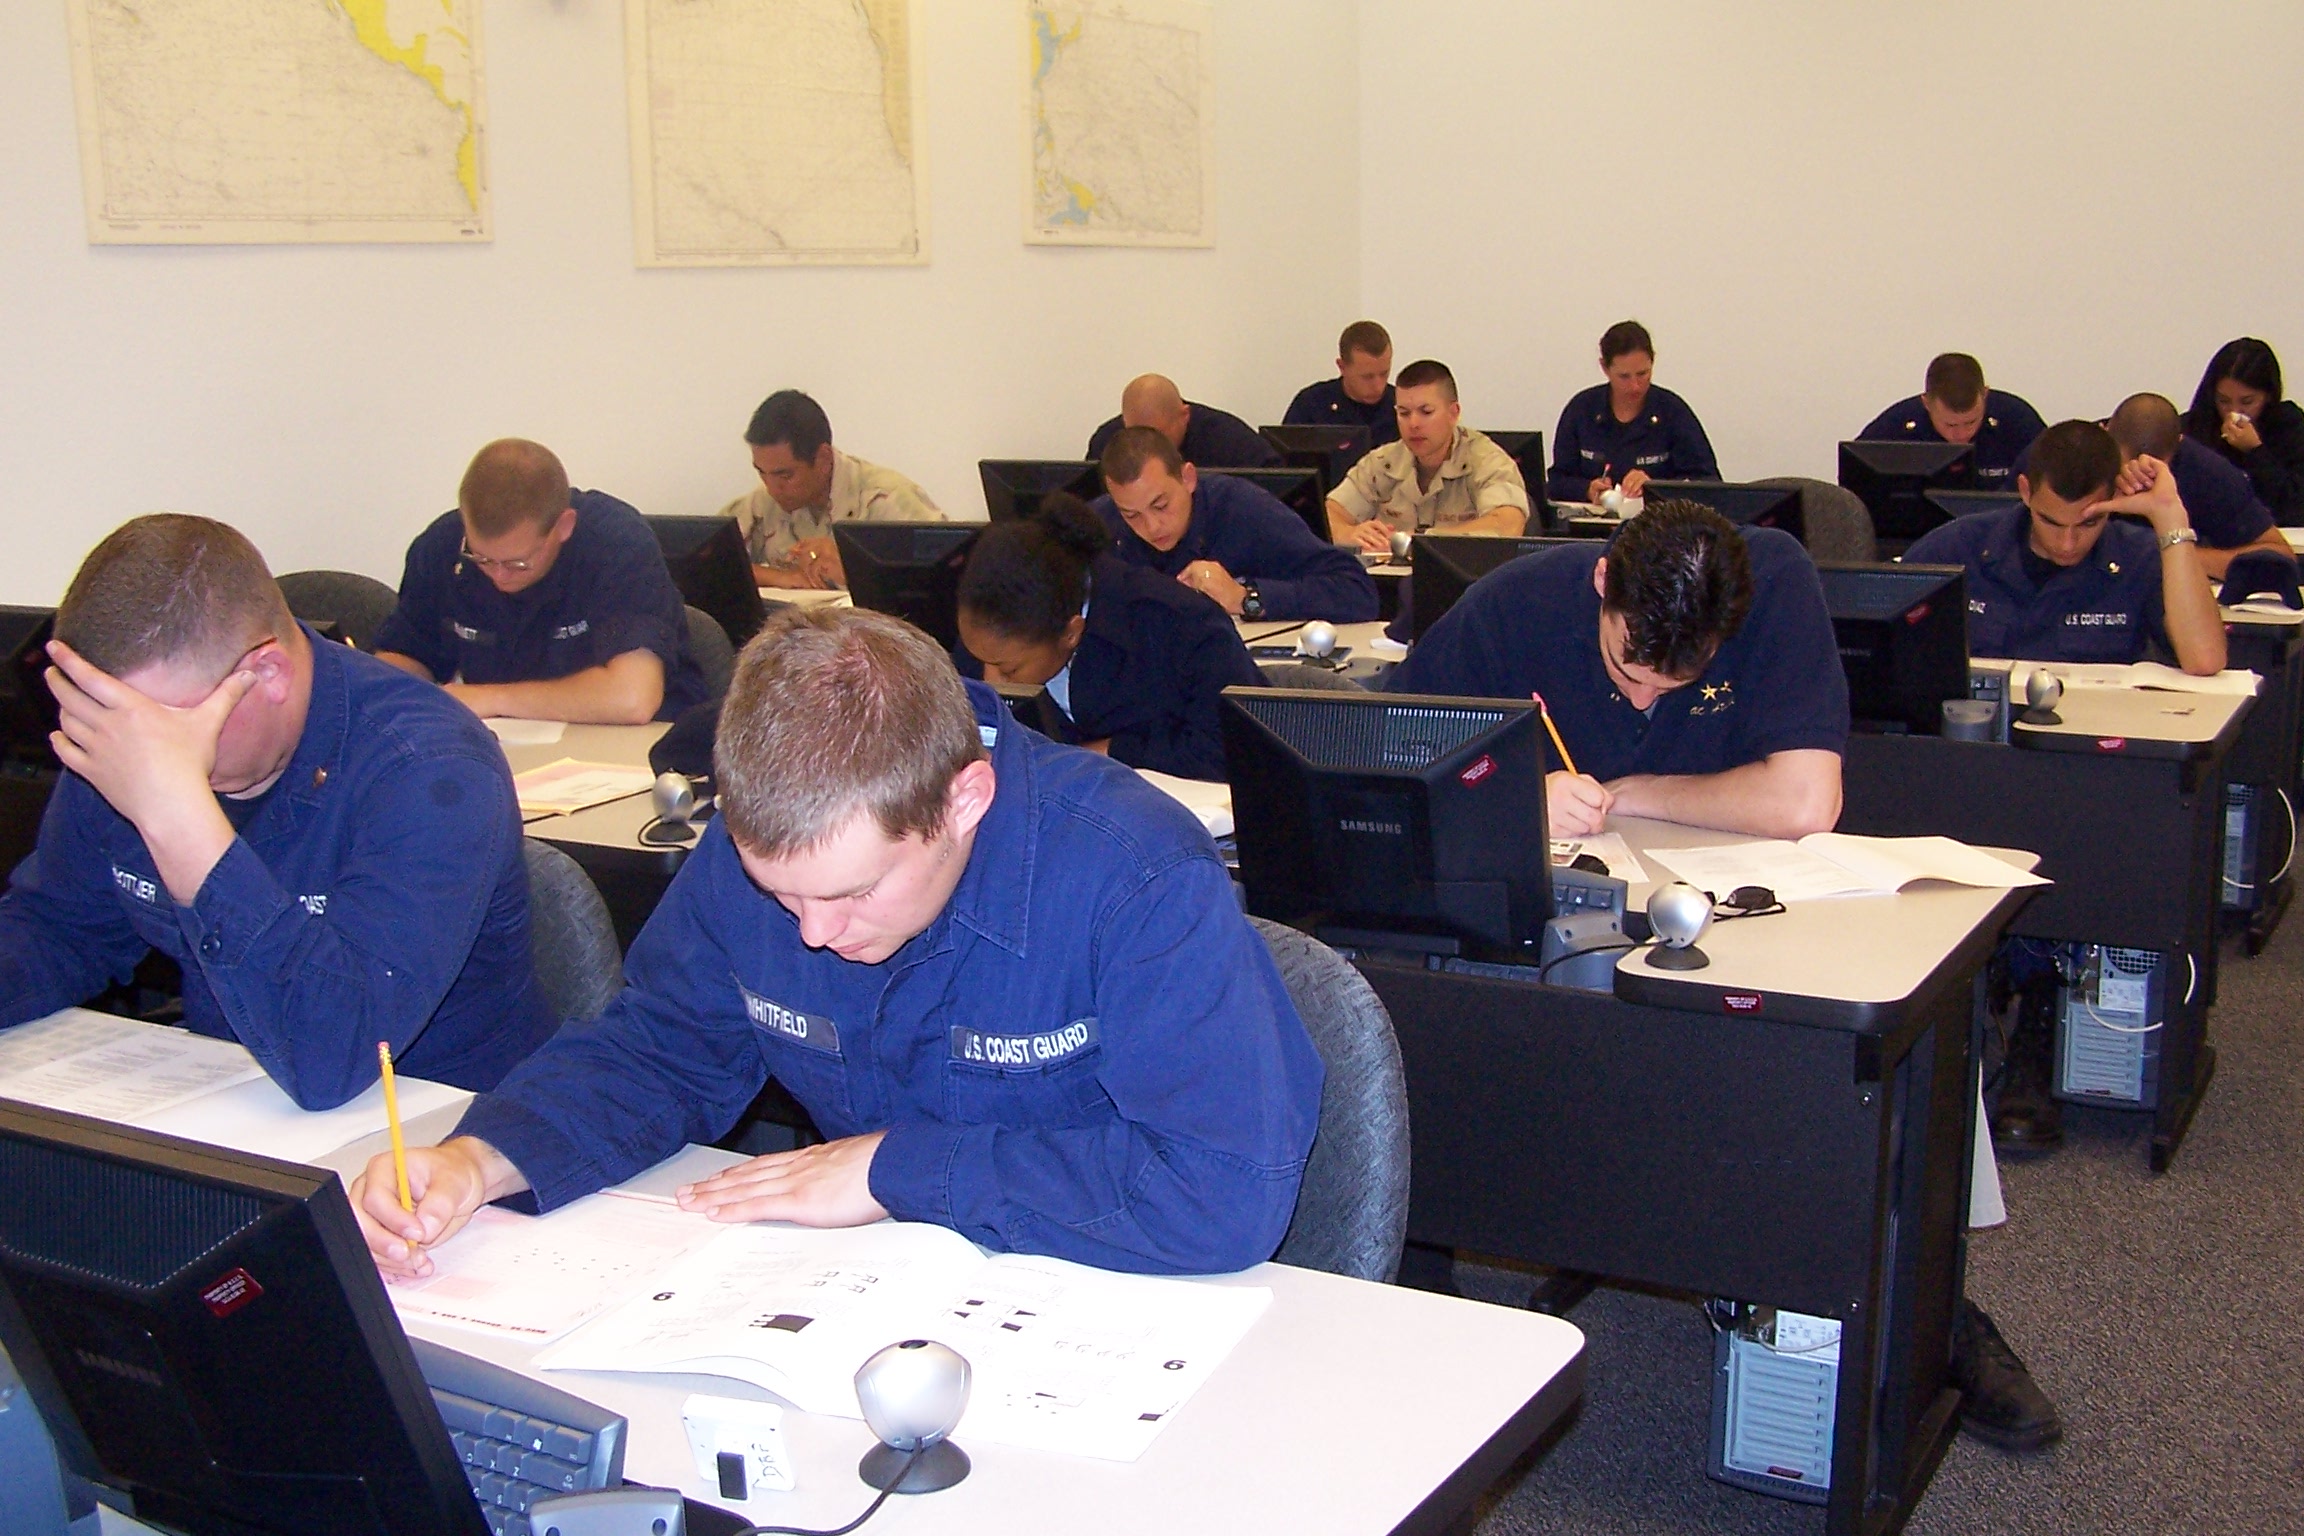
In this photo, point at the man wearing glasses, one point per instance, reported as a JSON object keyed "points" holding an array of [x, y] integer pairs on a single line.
{"points": [[542, 603], [330, 850]]}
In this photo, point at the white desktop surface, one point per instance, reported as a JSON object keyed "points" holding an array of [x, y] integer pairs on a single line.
{"points": [[2141, 714], [1283, 632], [1857, 949], [616, 824]]}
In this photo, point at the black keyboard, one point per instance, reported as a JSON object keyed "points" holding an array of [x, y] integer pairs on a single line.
{"points": [[519, 1439]]}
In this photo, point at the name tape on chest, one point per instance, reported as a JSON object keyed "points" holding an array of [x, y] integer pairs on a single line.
{"points": [[572, 631], [146, 891], [978, 1048], [812, 1030]]}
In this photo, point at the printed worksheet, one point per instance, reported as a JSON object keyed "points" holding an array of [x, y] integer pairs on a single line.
{"points": [[115, 1069], [564, 787]]}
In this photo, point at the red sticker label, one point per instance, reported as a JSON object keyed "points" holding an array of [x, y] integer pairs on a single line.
{"points": [[1740, 1002], [1919, 612], [230, 1293], [2111, 743], [1479, 770]]}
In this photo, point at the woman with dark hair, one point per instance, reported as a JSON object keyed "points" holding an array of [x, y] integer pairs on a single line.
{"points": [[1622, 434], [2239, 412], [1133, 658]]}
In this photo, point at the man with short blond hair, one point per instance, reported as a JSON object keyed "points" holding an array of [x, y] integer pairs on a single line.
{"points": [[541, 603], [1441, 477], [330, 850], [1007, 979], [1361, 393], [1956, 406]]}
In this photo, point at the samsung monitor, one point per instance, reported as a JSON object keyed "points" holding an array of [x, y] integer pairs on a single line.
{"points": [[1444, 566], [1903, 636], [713, 571], [27, 708], [1957, 504], [911, 570], [208, 1341], [1301, 491], [1332, 450], [1392, 821], [1013, 487], [1033, 705], [1893, 480], [1747, 506]]}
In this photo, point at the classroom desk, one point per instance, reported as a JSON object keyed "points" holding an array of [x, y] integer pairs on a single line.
{"points": [[2124, 803], [1367, 663], [605, 839], [2266, 760], [1791, 1126]]}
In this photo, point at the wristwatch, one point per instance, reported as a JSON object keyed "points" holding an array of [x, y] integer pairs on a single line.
{"points": [[1251, 601], [2176, 536]]}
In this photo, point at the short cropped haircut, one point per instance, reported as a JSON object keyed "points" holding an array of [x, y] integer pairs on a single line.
{"points": [[2147, 424], [1426, 371], [1132, 449], [1955, 381], [1625, 336], [1365, 337], [1027, 578], [792, 419], [2075, 459], [512, 483], [835, 712], [1682, 579], [2244, 360], [171, 588]]}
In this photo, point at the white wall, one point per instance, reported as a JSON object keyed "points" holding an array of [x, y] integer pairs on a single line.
{"points": [[325, 399], [1806, 200]]}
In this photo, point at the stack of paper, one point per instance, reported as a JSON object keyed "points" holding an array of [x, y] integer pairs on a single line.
{"points": [[564, 787], [1212, 803], [1826, 864]]}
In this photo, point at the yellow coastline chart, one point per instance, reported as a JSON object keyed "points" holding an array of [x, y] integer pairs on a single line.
{"points": [[272, 121], [1119, 123], [774, 131]]}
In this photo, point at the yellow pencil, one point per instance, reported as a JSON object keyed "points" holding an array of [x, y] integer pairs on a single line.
{"points": [[392, 1119], [1566, 761]]}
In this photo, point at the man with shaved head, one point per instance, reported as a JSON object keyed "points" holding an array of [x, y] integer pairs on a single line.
{"points": [[1204, 435], [2225, 511], [542, 603], [330, 850]]}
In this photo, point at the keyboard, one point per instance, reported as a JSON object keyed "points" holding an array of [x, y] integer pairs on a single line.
{"points": [[519, 1439]]}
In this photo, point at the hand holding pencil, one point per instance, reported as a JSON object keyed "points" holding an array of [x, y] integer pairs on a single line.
{"points": [[1575, 805]]}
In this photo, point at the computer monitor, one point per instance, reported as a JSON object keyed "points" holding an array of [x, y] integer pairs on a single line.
{"points": [[1903, 636], [713, 571], [1446, 564], [1957, 504], [1527, 451], [207, 1338], [1392, 820], [1032, 705], [1893, 480], [911, 570], [1013, 487], [1302, 491], [27, 708], [1332, 450], [1747, 506]]}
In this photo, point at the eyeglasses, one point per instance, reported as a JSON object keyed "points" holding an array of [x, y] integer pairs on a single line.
{"points": [[486, 564]]}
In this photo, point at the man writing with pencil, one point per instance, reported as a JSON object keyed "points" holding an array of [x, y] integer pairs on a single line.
{"points": [[1687, 668], [328, 847]]}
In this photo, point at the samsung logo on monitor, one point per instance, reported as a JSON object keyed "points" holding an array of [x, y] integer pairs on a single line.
{"points": [[1380, 828]]}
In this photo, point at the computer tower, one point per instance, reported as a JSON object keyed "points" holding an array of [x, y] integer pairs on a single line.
{"points": [[1775, 1385], [2110, 1006], [2240, 821]]}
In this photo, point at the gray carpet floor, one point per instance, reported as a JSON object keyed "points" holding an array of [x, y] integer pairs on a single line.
{"points": [[2163, 1313]]}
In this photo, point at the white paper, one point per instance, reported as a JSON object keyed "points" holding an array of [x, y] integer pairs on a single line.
{"points": [[568, 785], [806, 597], [1212, 803], [258, 1116], [537, 1277], [527, 733], [1609, 848], [1387, 647], [116, 1069], [1828, 864]]}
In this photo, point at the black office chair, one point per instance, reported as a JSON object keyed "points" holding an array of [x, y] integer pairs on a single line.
{"points": [[1838, 526], [357, 604], [1352, 1210], [709, 643], [578, 962], [1296, 674]]}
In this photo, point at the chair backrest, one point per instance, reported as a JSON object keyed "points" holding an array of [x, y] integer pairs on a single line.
{"points": [[578, 962], [1296, 674], [713, 653], [1352, 1211], [1839, 527], [358, 604]]}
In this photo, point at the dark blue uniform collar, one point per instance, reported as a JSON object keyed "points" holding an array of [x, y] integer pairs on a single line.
{"points": [[2011, 531], [319, 753], [994, 896]]}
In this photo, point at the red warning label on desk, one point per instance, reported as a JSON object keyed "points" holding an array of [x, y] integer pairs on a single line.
{"points": [[1740, 1002]]}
